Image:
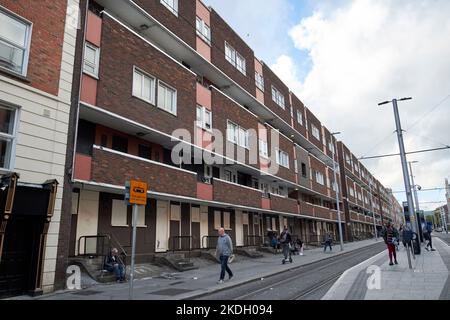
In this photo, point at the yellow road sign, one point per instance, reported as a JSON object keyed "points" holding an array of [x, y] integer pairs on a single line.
{"points": [[138, 192]]}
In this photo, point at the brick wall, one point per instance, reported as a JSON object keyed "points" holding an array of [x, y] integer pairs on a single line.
{"points": [[316, 165], [297, 105], [283, 204], [44, 64], [228, 193], [221, 32], [121, 50], [285, 145], [312, 119], [183, 25], [116, 169], [270, 78], [225, 109]]}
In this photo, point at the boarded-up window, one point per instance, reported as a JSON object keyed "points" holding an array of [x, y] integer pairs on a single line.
{"points": [[217, 220], [226, 221], [245, 218], [195, 214], [119, 214], [175, 213]]}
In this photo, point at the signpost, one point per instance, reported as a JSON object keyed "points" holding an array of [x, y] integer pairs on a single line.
{"points": [[136, 195]]}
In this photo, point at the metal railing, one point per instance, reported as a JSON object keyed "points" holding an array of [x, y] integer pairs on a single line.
{"points": [[96, 246], [209, 242], [253, 240], [180, 243]]}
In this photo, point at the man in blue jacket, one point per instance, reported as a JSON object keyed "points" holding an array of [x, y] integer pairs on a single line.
{"points": [[427, 233], [224, 251]]}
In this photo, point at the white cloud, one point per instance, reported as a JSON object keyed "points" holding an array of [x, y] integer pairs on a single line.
{"points": [[259, 24], [368, 51]]}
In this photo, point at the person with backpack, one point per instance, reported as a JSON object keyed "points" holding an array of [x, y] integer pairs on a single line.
{"points": [[285, 240], [390, 234], [427, 235], [328, 240]]}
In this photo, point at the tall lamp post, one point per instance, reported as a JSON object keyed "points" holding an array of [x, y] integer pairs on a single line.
{"points": [[373, 210], [341, 239], [403, 159]]}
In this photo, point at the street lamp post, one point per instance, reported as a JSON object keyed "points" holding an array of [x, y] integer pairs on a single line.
{"points": [[341, 239], [403, 158], [416, 199]]}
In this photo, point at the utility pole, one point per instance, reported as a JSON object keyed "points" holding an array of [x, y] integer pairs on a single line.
{"points": [[341, 239], [403, 159], [416, 198]]}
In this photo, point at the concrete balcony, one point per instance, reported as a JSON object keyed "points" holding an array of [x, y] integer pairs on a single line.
{"points": [[232, 193], [115, 168], [282, 204]]}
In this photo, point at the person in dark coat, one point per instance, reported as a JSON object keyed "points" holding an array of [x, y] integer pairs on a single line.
{"points": [[113, 263]]}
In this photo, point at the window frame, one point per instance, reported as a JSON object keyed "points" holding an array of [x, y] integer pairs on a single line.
{"points": [[314, 129], [95, 74], [173, 9], [263, 152], [259, 81], [278, 98], [320, 175], [26, 49], [175, 99], [279, 159], [12, 138], [199, 22], [300, 118], [202, 123], [153, 89], [232, 58]]}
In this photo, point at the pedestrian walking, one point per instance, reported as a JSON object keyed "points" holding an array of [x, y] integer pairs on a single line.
{"points": [[285, 240], [427, 234], [328, 241], [389, 236], [224, 251]]}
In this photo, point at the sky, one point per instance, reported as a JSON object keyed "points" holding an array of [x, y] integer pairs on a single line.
{"points": [[343, 57]]}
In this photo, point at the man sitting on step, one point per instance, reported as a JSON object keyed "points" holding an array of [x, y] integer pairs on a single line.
{"points": [[113, 263]]}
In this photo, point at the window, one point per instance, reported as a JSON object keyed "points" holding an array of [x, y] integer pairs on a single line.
{"points": [[15, 35], [295, 166], [167, 98], [366, 200], [259, 80], [351, 191], [172, 5], [91, 59], [282, 158], [238, 135], [319, 178], [255, 183], [347, 159], [263, 149], [299, 117], [119, 214], [226, 220], [359, 196], [144, 152], [331, 146], [203, 30], [243, 138], [230, 176], [232, 132], [120, 144], [7, 136], [143, 86], [315, 132], [217, 220], [204, 118], [277, 97], [335, 187], [233, 57], [356, 167], [304, 174]]}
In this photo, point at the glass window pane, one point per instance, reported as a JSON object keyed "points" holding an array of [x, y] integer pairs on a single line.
{"points": [[11, 57], [5, 153], [13, 30], [146, 90], [89, 54], [137, 84], [6, 121]]}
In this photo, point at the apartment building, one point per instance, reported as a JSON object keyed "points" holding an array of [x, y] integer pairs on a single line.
{"points": [[37, 45], [165, 80]]}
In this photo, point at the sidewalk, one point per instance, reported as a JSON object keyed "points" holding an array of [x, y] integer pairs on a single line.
{"points": [[201, 281], [428, 280]]}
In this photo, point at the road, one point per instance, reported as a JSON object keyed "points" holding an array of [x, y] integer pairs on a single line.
{"points": [[308, 282]]}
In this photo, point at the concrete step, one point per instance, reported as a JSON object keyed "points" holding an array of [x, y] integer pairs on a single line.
{"points": [[251, 252]]}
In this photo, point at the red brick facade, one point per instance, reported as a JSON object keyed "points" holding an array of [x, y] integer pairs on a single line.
{"points": [[44, 64], [229, 193]]}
